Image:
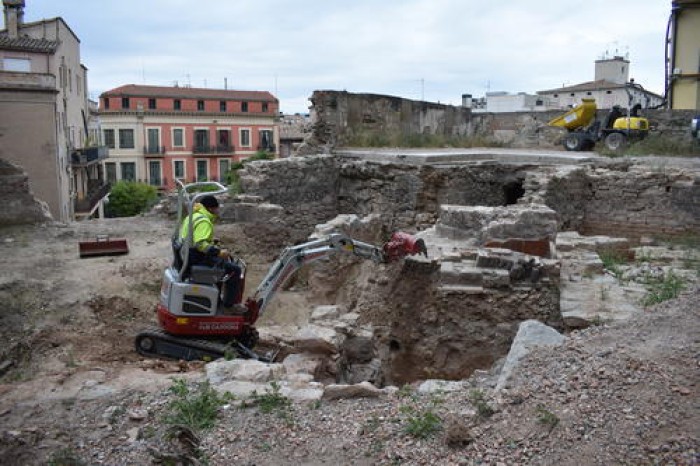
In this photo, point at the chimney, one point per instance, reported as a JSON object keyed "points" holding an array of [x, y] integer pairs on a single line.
{"points": [[14, 16]]}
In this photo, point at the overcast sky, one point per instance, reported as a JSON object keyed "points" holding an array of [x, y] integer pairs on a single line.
{"points": [[434, 50]]}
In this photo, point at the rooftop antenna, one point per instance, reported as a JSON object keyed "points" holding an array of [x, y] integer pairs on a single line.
{"points": [[225, 83]]}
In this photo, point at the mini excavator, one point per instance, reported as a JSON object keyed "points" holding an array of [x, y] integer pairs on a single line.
{"points": [[193, 324]]}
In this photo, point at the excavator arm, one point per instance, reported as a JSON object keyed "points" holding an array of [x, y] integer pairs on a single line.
{"points": [[295, 257]]}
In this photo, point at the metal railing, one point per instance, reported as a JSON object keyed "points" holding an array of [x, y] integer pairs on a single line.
{"points": [[218, 149], [154, 150], [89, 155], [267, 148], [96, 190]]}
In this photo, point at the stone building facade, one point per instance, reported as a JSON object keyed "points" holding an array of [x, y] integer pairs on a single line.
{"points": [[43, 102]]}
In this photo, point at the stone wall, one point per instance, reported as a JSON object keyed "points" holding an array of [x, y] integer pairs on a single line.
{"points": [[621, 198], [608, 197], [409, 196], [19, 206], [306, 189], [343, 118]]}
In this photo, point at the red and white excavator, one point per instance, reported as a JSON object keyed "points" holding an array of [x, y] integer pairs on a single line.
{"points": [[193, 325]]}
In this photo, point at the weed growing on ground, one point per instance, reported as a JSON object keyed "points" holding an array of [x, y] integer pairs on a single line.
{"points": [[546, 417], [478, 400], [422, 423], [196, 408], [667, 288], [272, 401], [65, 457], [612, 261], [405, 391]]}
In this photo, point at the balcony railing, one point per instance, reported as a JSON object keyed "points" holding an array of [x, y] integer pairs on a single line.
{"points": [[267, 148], [154, 150], [213, 150], [89, 155], [96, 191]]}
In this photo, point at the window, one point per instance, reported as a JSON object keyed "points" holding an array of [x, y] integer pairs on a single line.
{"points": [[177, 104], [245, 138], [266, 139], [264, 107], [105, 101], [179, 169], [200, 105], [202, 170], [201, 140], [126, 138], [128, 171], [572, 94], [244, 106], [539, 103], [109, 138], [178, 137], [153, 138], [152, 104], [154, 173], [125, 102], [589, 93], [222, 106], [224, 167], [22, 65], [608, 92], [111, 169], [223, 142], [556, 95]]}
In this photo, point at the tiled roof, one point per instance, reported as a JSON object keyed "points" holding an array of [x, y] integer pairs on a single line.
{"points": [[135, 90], [27, 44], [599, 85]]}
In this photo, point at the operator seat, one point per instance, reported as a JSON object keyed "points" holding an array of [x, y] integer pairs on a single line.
{"points": [[200, 274]]}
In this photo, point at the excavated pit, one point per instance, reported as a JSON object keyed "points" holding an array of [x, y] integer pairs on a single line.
{"points": [[484, 221]]}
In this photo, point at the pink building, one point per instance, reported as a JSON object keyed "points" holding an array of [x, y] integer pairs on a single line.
{"points": [[156, 134]]}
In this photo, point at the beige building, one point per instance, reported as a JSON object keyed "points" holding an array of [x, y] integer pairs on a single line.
{"points": [[44, 109], [611, 87], [683, 55]]}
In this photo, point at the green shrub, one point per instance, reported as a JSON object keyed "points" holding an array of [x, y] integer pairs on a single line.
{"points": [[129, 198]]}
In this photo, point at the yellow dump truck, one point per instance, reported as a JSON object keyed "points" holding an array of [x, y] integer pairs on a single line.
{"points": [[584, 130]]}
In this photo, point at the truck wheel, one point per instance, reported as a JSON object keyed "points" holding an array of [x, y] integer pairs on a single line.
{"points": [[574, 142], [616, 142]]}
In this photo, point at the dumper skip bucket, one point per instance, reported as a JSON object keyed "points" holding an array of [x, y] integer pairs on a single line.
{"points": [[103, 245]]}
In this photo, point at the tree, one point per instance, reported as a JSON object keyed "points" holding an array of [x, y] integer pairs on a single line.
{"points": [[129, 198]]}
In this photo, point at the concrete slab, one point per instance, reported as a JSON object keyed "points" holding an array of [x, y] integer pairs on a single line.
{"points": [[472, 155]]}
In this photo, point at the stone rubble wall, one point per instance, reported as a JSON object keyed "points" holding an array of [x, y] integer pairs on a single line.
{"points": [[622, 199], [19, 206], [607, 197], [409, 196], [301, 192], [341, 117]]}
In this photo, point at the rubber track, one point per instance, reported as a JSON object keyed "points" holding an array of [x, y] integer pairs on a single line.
{"points": [[190, 349]]}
